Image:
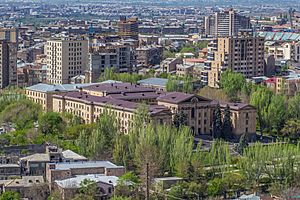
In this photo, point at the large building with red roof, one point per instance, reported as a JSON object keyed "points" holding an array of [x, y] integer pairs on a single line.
{"points": [[123, 99]]}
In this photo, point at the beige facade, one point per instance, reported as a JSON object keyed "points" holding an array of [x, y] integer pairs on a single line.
{"points": [[243, 54], [122, 99], [197, 109], [128, 28], [66, 58], [9, 34], [284, 51], [184, 70], [242, 117], [287, 85], [42, 98], [169, 65], [90, 111]]}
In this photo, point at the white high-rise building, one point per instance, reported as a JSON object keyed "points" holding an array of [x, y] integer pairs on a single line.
{"points": [[226, 23], [66, 58]]}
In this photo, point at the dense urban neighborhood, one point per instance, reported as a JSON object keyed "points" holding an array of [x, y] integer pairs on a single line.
{"points": [[149, 100]]}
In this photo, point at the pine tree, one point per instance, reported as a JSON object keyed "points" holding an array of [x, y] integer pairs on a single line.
{"points": [[227, 124], [217, 122]]}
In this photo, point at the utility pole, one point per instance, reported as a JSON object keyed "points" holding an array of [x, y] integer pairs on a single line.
{"points": [[147, 183]]}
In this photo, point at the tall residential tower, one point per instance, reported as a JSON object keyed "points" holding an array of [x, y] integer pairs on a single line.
{"points": [[66, 58], [243, 54], [226, 23]]}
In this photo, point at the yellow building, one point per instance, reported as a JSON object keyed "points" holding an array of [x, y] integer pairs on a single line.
{"points": [[123, 99], [42, 93], [90, 107]]}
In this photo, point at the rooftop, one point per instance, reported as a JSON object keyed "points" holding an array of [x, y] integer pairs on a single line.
{"points": [[162, 82], [38, 157], [110, 101], [178, 97], [25, 181], [9, 165], [85, 164], [75, 181], [71, 155], [114, 88], [42, 87]]}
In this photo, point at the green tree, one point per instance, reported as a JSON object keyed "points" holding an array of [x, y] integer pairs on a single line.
{"points": [[120, 198], [227, 124], [98, 143], [232, 83], [242, 144], [51, 123], [180, 119], [216, 187], [217, 122], [291, 129], [87, 190], [182, 152], [294, 107], [121, 152], [23, 113], [277, 112], [173, 84], [187, 86], [261, 99], [10, 195], [168, 54]]}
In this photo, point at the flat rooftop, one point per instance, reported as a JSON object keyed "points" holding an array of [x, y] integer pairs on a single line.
{"points": [[84, 164], [75, 181]]}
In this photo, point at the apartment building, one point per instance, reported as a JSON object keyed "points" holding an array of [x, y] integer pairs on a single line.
{"points": [[119, 55], [287, 85], [10, 34], [225, 23], [8, 64], [66, 58], [284, 51], [243, 54], [128, 28], [169, 64], [149, 55]]}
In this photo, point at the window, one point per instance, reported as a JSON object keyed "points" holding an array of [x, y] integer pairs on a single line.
{"points": [[193, 113]]}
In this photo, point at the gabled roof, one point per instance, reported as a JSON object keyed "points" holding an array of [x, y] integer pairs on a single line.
{"points": [[180, 97]]}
